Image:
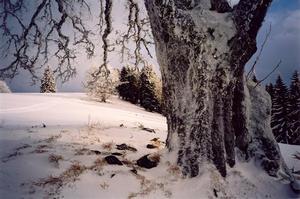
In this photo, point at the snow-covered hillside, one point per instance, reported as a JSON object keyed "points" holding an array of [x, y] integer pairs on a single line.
{"points": [[54, 146]]}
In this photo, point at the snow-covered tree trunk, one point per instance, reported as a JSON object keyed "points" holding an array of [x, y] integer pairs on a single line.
{"points": [[202, 47]]}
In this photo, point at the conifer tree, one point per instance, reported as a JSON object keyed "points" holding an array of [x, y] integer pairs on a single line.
{"points": [[270, 90], [294, 113], [148, 96], [133, 86], [123, 86], [128, 88], [280, 120], [47, 82]]}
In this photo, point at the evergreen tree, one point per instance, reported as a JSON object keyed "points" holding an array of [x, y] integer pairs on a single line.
{"points": [[270, 90], [123, 86], [47, 82], [280, 120], [133, 86], [128, 88], [148, 96], [294, 114]]}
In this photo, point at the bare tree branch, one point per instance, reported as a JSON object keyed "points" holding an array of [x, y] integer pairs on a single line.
{"points": [[43, 29], [260, 81], [251, 71], [138, 32]]}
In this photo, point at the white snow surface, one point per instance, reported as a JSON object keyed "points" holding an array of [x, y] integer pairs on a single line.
{"points": [[73, 126]]}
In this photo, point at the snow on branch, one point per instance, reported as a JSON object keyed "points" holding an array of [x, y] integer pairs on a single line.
{"points": [[138, 31], [29, 42]]}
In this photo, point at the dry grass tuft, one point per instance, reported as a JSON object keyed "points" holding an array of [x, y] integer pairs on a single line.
{"points": [[51, 180], [73, 172], [98, 164], [128, 163], [108, 146], [82, 151], [174, 170], [52, 138], [148, 186], [104, 185], [55, 159], [56, 183]]}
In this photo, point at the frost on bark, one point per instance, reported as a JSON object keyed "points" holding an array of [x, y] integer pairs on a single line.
{"points": [[202, 47]]}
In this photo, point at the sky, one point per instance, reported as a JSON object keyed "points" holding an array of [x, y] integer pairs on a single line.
{"points": [[283, 44]]}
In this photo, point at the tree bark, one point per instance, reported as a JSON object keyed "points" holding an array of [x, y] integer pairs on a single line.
{"points": [[202, 47]]}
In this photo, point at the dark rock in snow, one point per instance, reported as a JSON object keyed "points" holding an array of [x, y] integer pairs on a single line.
{"points": [[117, 154], [96, 152], [134, 171], [215, 193], [126, 147], [151, 146], [44, 125], [148, 129], [270, 166], [146, 162], [112, 175], [295, 185], [121, 125], [113, 160], [154, 139]]}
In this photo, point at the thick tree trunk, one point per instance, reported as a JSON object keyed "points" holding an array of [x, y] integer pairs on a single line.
{"points": [[202, 48]]}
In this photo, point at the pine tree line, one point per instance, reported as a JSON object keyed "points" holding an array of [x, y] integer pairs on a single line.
{"points": [[286, 110], [141, 87]]}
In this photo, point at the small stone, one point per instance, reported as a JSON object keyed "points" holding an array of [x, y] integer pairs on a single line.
{"points": [[146, 162], [154, 139], [113, 160], [96, 152], [134, 171], [151, 146], [126, 147], [117, 154], [295, 185], [215, 193], [148, 129]]}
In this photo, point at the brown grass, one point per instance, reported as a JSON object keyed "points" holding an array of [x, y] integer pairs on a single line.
{"points": [[98, 164], [55, 159], [104, 185], [74, 171], [52, 138], [108, 146], [174, 170], [127, 162], [82, 151], [70, 175]]}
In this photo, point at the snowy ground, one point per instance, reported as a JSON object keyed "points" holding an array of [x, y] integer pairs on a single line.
{"points": [[53, 146]]}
